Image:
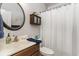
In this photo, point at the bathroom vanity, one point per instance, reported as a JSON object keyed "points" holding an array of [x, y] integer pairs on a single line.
{"points": [[20, 48], [30, 51]]}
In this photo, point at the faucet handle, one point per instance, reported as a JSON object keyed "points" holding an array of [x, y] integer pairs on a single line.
{"points": [[16, 39]]}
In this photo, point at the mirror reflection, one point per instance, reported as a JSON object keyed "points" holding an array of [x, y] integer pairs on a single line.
{"points": [[13, 15]]}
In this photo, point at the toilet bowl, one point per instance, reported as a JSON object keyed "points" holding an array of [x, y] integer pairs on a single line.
{"points": [[46, 51]]}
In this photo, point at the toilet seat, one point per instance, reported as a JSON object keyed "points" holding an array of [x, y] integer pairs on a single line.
{"points": [[46, 51]]}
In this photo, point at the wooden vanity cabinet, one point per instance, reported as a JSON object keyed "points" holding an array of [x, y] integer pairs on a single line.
{"points": [[30, 51]]}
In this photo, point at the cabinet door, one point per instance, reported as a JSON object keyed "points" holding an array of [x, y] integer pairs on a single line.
{"points": [[28, 51], [36, 54]]}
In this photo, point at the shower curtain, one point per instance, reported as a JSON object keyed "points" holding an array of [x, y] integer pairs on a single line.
{"points": [[58, 30]]}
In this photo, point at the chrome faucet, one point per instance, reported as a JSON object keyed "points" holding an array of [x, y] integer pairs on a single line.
{"points": [[15, 39]]}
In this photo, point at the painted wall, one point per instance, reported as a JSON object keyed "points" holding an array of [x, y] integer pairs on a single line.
{"points": [[52, 5], [28, 29]]}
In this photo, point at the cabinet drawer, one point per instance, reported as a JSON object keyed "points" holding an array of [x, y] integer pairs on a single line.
{"points": [[28, 51]]}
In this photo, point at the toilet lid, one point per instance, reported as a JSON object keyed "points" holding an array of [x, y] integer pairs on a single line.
{"points": [[46, 50]]}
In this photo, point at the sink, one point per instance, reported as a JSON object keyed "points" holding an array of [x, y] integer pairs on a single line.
{"points": [[13, 47], [22, 42]]}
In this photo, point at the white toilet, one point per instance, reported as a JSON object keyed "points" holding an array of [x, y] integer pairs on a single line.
{"points": [[46, 51]]}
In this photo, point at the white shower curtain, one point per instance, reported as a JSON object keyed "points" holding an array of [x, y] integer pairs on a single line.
{"points": [[77, 26], [45, 30], [57, 30]]}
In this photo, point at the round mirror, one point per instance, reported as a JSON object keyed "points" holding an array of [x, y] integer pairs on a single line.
{"points": [[13, 16]]}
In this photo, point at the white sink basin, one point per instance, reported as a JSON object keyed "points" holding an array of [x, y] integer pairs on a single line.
{"points": [[22, 41], [16, 44]]}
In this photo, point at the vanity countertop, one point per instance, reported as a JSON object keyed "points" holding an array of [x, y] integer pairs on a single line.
{"points": [[14, 47]]}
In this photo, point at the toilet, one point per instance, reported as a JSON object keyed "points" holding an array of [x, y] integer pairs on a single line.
{"points": [[46, 51]]}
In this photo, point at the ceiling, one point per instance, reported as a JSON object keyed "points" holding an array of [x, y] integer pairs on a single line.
{"points": [[50, 4]]}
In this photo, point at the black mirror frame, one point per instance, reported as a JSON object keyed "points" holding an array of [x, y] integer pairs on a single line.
{"points": [[9, 28]]}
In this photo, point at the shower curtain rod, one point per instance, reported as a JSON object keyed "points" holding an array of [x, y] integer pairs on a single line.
{"points": [[56, 7]]}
